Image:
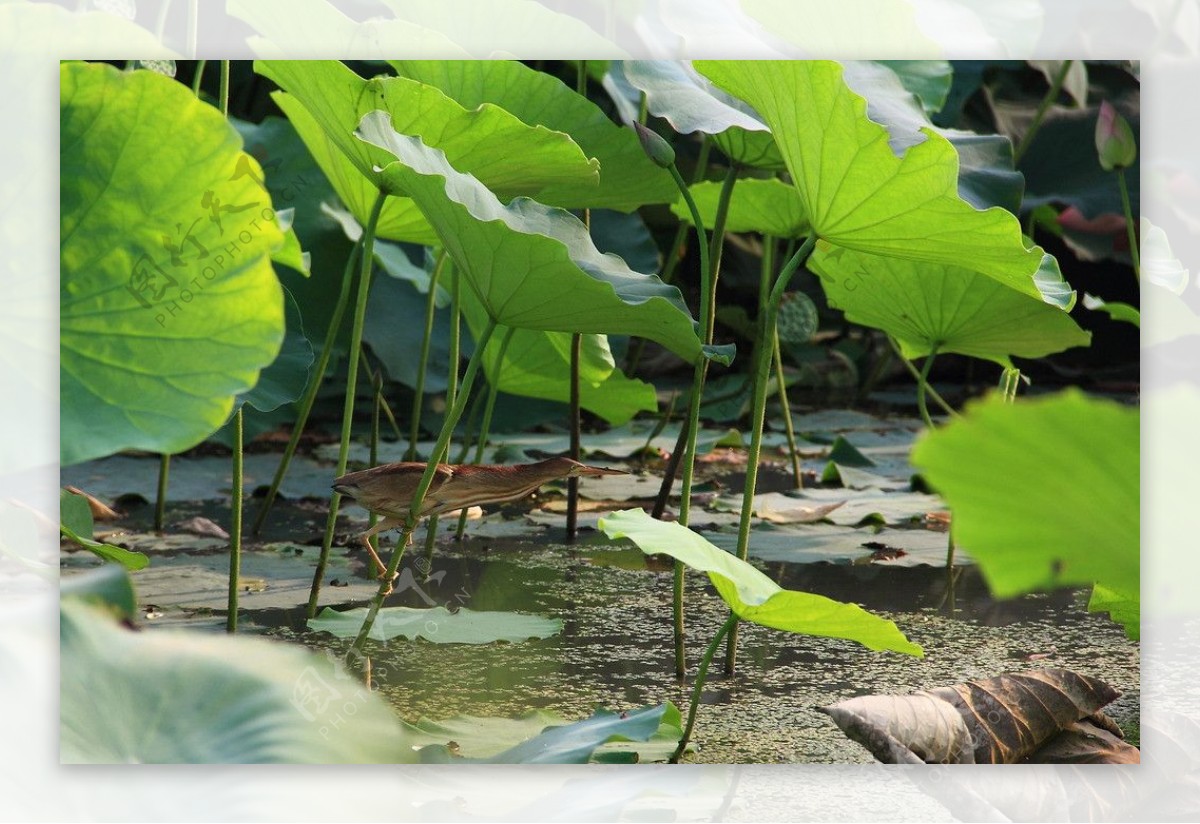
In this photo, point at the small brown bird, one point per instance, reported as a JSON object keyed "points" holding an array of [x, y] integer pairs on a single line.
{"points": [[388, 489]]}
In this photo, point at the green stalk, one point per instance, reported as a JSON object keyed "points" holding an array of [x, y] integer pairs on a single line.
{"points": [[950, 554], [451, 390], [198, 77], [573, 483], [373, 451], [693, 421], [384, 407], [439, 450], [160, 504], [768, 264], [1129, 226], [223, 93], [486, 425], [674, 255], [781, 387], [1047, 101], [314, 386], [235, 526], [574, 419], [423, 362], [933, 393], [698, 688], [360, 311], [923, 386], [762, 369]]}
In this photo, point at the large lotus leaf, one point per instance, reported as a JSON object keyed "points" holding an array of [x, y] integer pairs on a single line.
{"points": [[169, 306], [985, 161], [531, 266], [181, 698], [400, 218], [628, 178], [1044, 491], [438, 625], [690, 103], [325, 99], [771, 207], [860, 195], [751, 594], [924, 305], [537, 364], [509, 156]]}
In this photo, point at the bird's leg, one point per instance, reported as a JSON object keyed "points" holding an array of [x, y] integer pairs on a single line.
{"points": [[384, 525]]}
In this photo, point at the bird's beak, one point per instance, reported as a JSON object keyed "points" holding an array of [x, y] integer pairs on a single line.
{"points": [[599, 471]]}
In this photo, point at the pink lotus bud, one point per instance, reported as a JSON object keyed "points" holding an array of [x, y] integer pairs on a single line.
{"points": [[1114, 139]]}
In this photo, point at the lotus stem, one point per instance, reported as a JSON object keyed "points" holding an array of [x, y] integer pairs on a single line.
{"points": [[160, 503], [698, 688], [1051, 95], [235, 525], [933, 393], [360, 311], [1129, 224], [314, 386], [573, 483], [923, 386], [781, 388], [198, 76], [485, 426], [423, 361]]}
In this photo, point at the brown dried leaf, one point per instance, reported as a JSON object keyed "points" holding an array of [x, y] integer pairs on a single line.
{"points": [[1012, 715], [796, 514], [905, 729], [1084, 742], [1005, 719], [100, 510], [204, 527]]}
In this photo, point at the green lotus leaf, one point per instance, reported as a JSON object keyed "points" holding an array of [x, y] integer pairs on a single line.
{"points": [[537, 364], [628, 178], [857, 193], [751, 594], [180, 698], [771, 207], [1045, 491], [690, 103], [169, 306], [531, 266], [923, 305], [325, 100]]}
